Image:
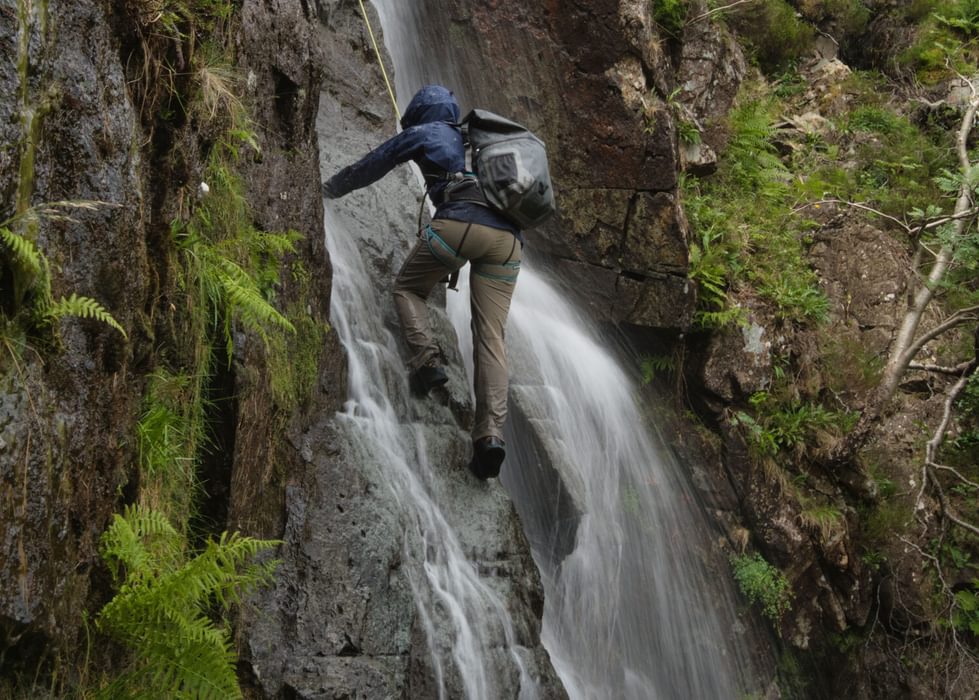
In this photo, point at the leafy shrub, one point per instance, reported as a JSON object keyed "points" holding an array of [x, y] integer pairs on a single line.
{"points": [[745, 231], [763, 584], [670, 15], [774, 34], [966, 614], [944, 42], [962, 16], [780, 425]]}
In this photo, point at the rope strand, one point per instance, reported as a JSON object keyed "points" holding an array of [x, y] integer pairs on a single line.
{"points": [[380, 60]]}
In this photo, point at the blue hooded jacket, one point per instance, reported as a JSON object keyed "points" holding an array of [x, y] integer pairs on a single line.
{"points": [[430, 137]]}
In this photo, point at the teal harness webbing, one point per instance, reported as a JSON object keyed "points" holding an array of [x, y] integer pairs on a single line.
{"points": [[453, 259]]}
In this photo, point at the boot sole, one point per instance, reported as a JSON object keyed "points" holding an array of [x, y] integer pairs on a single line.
{"points": [[420, 388], [487, 465]]}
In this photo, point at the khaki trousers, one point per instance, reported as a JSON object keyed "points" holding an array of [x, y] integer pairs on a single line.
{"points": [[444, 247]]}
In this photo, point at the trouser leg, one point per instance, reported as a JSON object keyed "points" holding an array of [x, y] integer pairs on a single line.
{"points": [[490, 306], [419, 274]]}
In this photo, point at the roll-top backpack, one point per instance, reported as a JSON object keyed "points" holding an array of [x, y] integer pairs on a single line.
{"points": [[510, 163]]}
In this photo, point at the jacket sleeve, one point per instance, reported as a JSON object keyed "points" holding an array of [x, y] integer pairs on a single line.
{"points": [[398, 149]]}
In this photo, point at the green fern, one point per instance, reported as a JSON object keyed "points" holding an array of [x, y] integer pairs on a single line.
{"points": [[243, 296], [161, 609], [83, 307], [140, 542], [233, 265], [651, 365], [24, 250], [719, 319]]}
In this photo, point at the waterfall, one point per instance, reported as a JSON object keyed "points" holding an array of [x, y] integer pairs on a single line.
{"points": [[637, 603], [467, 625], [634, 605]]}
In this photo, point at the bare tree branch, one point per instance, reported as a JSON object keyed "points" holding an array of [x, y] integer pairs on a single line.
{"points": [[931, 452], [959, 317], [715, 11], [935, 223], [954, 517], [903, 351], [912, 230], [940, 369], [953, 470], [855, 205], [931, 449]]}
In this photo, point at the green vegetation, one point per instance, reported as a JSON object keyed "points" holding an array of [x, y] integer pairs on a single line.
{"points": [[773, 33], [169, 605], [744, 213], [30, 302], [230, 266], [964, 447], [824, 519], [965, 617], [171, 433], [788, 424], [294, 361], [848, 365], [804, 157], [749, 225], [946, 40], [763, 584], [174, 599], [670, 15], [652, 365]]}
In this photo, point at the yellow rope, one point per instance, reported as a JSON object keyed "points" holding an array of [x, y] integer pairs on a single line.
{"points": [[380, 60]]}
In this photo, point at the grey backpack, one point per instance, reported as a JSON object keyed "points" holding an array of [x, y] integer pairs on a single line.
{"points": [[511, 165]]}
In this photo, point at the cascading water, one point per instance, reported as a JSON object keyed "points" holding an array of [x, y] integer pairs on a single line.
{"points": [[636, 604], [634, 610], [467, 626]]}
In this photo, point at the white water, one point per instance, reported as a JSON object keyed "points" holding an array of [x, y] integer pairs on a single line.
{"points": [[640, 607], [467, 626], [636, 610], [636, 606]]}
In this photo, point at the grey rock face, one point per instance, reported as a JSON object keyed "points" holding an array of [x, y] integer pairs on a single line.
{"points": [[69, 133], [593, 80], [368, 518]]}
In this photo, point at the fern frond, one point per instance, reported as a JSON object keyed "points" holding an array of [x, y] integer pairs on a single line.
{"points": [[83, 307], [717, 319], [24, 250], [162, 609], [278, 244], [142, 540], [244, 297]]}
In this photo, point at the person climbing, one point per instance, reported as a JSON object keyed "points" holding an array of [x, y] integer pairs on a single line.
{"points": [[463, 229]]}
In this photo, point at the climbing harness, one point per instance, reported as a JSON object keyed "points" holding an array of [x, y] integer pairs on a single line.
{"points": [[447, 255], [380, 60]]}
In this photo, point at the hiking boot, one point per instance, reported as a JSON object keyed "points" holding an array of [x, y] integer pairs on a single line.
{"points": [[488, 455], [427, 377]]}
